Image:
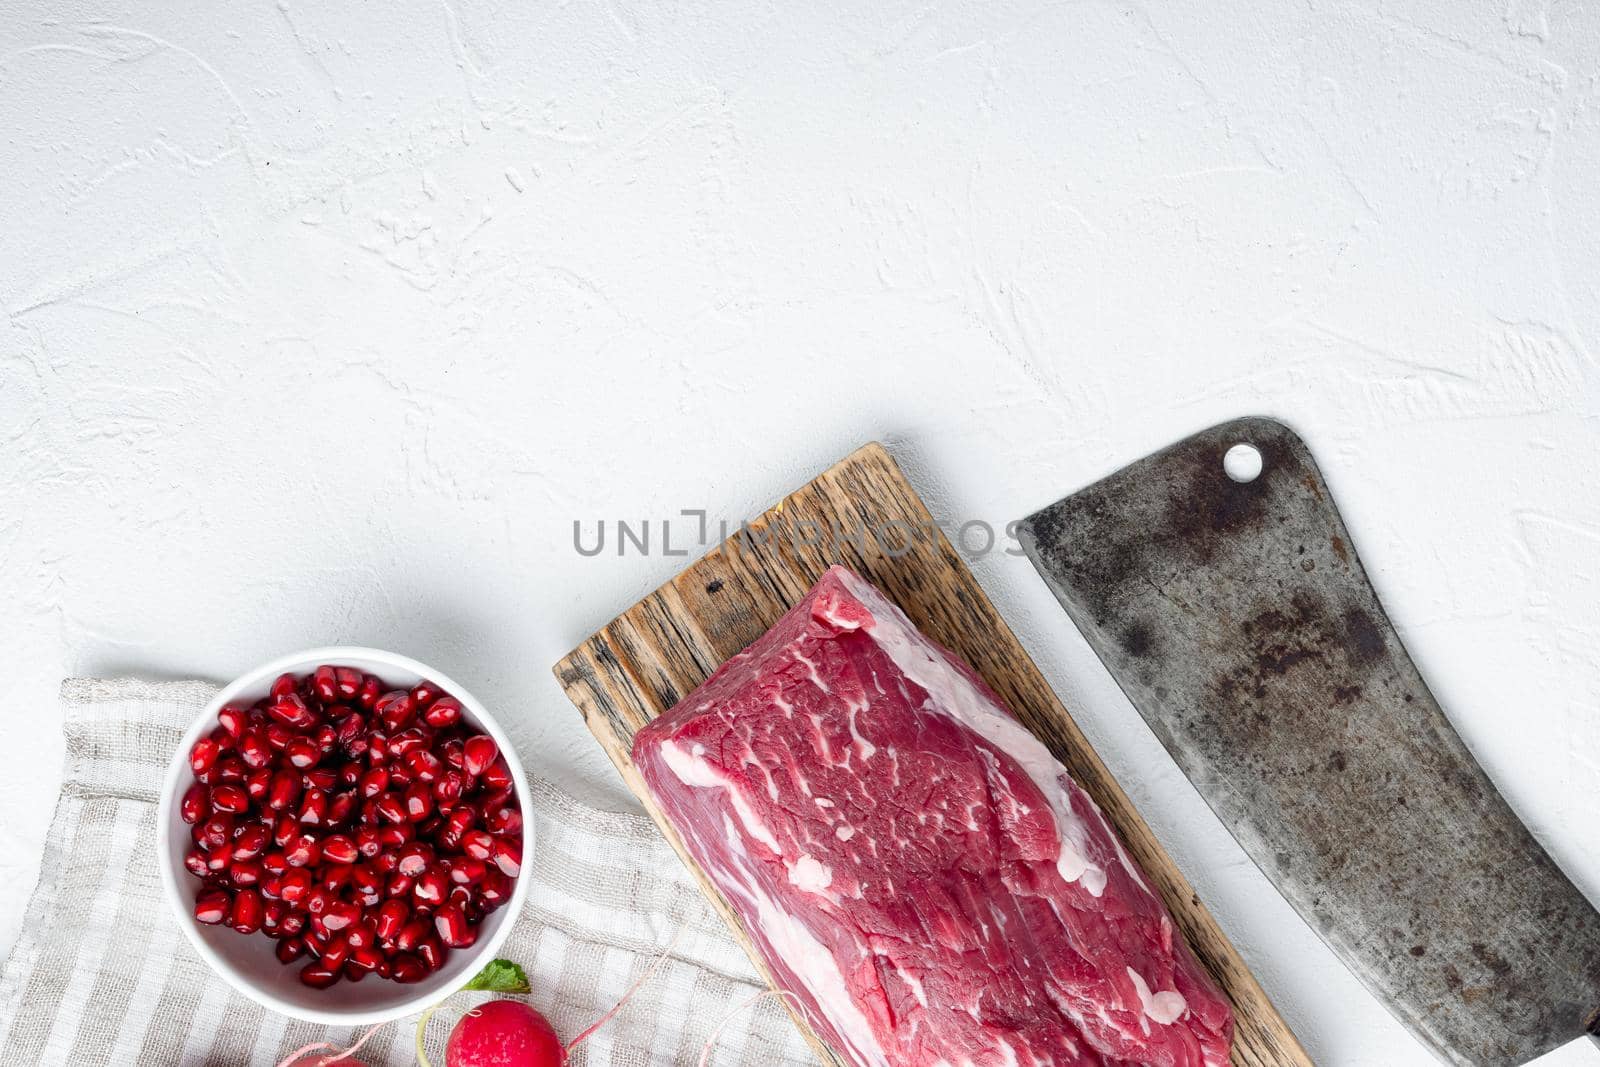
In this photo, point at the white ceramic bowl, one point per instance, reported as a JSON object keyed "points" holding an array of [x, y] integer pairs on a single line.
{"points": [[248, 962]]}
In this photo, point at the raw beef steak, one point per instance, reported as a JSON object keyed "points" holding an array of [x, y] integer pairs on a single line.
{"points": [[914, 866]]}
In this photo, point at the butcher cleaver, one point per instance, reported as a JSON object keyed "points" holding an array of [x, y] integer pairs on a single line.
{"points": [[1237, 617]]}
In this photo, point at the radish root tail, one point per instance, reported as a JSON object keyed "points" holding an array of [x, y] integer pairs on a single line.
{"points": [[662, 958], [711, 1042], [332, 1057]]}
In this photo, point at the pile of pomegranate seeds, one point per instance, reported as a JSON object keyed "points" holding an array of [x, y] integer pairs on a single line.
{"points": [[368, 831]]}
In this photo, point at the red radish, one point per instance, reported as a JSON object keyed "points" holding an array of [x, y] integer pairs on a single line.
{"points": [[504, 1033]]}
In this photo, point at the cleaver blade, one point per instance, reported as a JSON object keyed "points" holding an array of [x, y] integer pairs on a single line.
{"points": [[1239, 621]]}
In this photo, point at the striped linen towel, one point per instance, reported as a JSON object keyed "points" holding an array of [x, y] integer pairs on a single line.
{"points": [[102, 975]]}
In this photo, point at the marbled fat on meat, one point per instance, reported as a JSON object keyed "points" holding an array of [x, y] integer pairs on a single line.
{"points": [[913, 865]]}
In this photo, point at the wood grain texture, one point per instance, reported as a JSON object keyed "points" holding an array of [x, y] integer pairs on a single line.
{"points": [[649, 657]]}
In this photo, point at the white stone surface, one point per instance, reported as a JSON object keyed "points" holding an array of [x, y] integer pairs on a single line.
{"points": [[325, 321]]}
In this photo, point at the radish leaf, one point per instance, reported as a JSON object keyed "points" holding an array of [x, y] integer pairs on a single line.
{"points": [[500, 976]]}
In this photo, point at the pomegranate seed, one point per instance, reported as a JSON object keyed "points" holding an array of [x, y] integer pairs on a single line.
{"points": [[446, 711], [478, 844], [282, 686], [479, 752], [323, 778], [399, 885], [229, 798], [414, 859], [246, 913], [425, 693], [193, 807], [423, 765], [406, 968], [412, 934], [215, 832], [350, 728], [229, 769], [292, 923], [377, 748], [212, 907], [323, 686], [399, 777], [334, 952], [278, 736], [451, 923], [364, 960], [194, 861], [319, 901], [454, 754], [285, 790], [285, 830], [292, 711], [503, 820], [497, 776], [367, 696], [272, 915], [290, 949], [232, 719], [494, 890], [361, 934], [317, 976], [508, 856], [448, 788], [367, 843], [243, 874], [392, 808], [314, 807], [464, 870], [258, 784], [341, 808], [303, 851], [395, 709], [326, 739], [431, 886], [250, 842], [220, 856], [203, 755], [392, 917], [408, 741], [302, 752], [374, 782], [367, 881], [419, 803], [456, 824], [275, 862], [340, 914], [432, 952], [349, 682], [338, 848], [255, 751]]}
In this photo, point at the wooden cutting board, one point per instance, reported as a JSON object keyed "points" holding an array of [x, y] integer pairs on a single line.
{"points": [[862, 513]]}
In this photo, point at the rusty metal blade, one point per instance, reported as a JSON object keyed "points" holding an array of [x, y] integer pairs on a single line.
{"points": [[1239, 621]]}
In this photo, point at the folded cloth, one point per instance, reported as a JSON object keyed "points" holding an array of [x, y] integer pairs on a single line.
{"points": [[101, 973]]}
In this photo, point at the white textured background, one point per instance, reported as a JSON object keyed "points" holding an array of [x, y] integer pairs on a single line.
{"points": [[324, 321]]}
